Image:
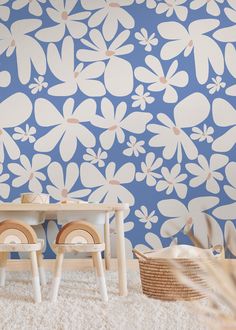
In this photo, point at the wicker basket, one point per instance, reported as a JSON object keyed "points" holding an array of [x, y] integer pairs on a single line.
{"points": [[159, 281]]}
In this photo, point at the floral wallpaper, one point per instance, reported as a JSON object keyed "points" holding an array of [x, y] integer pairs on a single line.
{"points": [[123, 100]]}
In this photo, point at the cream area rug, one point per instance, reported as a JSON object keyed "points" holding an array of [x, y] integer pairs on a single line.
{"points": [[79, 306]]}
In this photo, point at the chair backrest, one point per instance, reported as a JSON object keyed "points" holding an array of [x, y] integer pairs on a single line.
{"points": [[15, 231]]}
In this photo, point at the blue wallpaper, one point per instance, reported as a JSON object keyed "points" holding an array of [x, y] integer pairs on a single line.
{"points": [[123, 100]]}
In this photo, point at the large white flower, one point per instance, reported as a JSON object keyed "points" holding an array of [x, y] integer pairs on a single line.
{"points": [[173, 6], [141, 98], [29, 172], [116, 122], [4, 10], [149, 168], [61, 14], [145, 40], [28, 50], [207, 172], [205, 49], [5, 79], [225, 118], [14, 110], [111, 13], [109, 188], [33, 6], [228, 34], [118, 75], [205, 227], [146, 218], [212, 6], [67, 128], [4, 187], [230, 55], [62, 184], [159, 81], [189, 112], [153, 243], [63, 68]]}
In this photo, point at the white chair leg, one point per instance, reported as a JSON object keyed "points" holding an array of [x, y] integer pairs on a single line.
{"points": [[42, 274], [35, 277], [57, 277], [107, 252], [101, 282], [3, 262]]}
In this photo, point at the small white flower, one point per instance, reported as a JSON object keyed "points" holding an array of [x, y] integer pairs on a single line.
{"points": [[25, 135], [134, 147], [212, 6], [38, 85], [149, 3], [216, 85], [146, 218], [4, 10], [34, 6], [172, 181], [145, 40], [141, 98], [95, 158], [4, 187], [202, 135], [173, 6], [148, 169]]}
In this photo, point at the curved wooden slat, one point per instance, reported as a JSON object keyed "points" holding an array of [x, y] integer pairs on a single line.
{"points": [[16, 226]]}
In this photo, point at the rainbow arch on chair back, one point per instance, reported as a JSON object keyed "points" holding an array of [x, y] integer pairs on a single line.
{"points": [[15, 231], [80, 232]]}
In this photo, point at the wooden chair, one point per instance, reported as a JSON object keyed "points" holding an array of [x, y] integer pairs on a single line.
{"points": [[79, 236], [17, 236]]}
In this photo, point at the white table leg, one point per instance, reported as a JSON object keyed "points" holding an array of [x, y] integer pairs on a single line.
{"points": [[3, 263], [35, 277], [120, 247], [107, 242], [57, 276], [42, 274], [101, 282]]}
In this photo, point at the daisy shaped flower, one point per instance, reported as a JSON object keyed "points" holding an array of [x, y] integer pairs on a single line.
{"points": [[212, 6], [193, 216], [115, 122], [153, 243], [28, 172], [11, 118], [189, 112], [231, 11], [146, 218], [173, 6], [149, 3], [216, 85], [25, 135], [134, 147], [61, 15], [141, 98], [33, 6], [4, 11], [4, 187], [158, 81], [67, 129], [38, 85], [149, 168], [111, 13], [230, 52], [5, 79], [228, 34], [118, 75], [207, 172], [109, 188], [172, 181], [202, 135], [95, 158], [145, 40], [62, 184]]}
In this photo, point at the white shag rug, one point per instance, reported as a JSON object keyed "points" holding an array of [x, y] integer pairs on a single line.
{"points": [[79, 306]]}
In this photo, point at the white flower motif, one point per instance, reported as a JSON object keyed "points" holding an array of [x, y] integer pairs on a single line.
{"points": [[11, 118], [5, 79], [141, 98], [212, 6], [110, 188], [202, 135], [231, 12], [134, 147], [111, 13], [216, 85], [145, 40], [4, 11], [158, 81], [230, 53], [153, 243], [173, 6], [29, 172], [171, 136], [207, 172], [63, 68], [25, 135], [61, 14], [151, 4], [172, 181], [149, 168], [67, 128], [228, 34], [38, 85], [4, 187], [146, 218], [95, 158], [205, 49], [114, 123], [61, 187], [34, 6], [118, 75], [28, 50], [205, 227]]}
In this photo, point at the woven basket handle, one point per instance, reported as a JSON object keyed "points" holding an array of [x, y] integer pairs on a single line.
{"points": [[139, 254]]}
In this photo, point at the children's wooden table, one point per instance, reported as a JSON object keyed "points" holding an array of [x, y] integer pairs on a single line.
{"points": [[35, 214]]}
